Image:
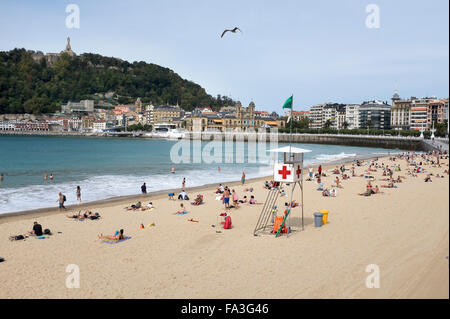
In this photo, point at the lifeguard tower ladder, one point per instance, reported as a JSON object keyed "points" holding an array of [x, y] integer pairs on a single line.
{"points": [[289, 171]]}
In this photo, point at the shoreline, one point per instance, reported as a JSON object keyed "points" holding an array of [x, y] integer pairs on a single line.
{"points": [[48, 211]]}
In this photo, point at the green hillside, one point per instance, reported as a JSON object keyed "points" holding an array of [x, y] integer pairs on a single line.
{"points": [[27, 86]]}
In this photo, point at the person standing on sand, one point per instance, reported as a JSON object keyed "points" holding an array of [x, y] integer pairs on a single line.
{"points": [[79, 195], [61, 200], [144, 189], [226, 197], [319, 170], [243, 178], [183, 184]]}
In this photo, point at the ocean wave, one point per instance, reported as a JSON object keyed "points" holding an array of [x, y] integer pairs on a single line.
{"points": [[333, 157]]}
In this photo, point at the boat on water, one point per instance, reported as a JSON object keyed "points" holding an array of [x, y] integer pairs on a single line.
{"points": [[167, 131]]}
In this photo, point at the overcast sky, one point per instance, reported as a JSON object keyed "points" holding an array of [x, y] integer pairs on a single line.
{"points": [[320, 51]]}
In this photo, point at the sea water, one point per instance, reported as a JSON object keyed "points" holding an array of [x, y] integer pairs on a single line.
{"points": [[109, 167]]}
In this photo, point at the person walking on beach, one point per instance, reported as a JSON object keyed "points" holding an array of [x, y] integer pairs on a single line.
{"points": [[61, 200], [144, 189], [243, 178], [319, 170], [183, 184], [79, 195]]}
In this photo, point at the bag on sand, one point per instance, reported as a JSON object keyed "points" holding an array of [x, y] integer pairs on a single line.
{"points": [[47, 232], [227, 224]]}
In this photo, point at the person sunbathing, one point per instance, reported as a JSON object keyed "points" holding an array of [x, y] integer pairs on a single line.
{"points": [[77, 216], [294, 204], [428, 179], [181, 210], [326, 192], [147, 207], [134, 206], [248, 189], [198, 200], [117, 236], [86, 214], [390, 185], [243, 201]]}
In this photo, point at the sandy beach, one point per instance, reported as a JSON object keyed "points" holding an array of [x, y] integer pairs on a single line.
{"points": [[403, 231]]}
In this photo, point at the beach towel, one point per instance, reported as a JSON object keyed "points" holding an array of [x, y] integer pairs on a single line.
{"points": [[183, 213], [107, 241]]}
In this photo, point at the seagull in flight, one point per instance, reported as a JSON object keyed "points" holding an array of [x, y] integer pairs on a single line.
{"points": [[232, 30]]}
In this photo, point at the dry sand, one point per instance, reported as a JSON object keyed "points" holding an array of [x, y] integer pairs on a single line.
{"points": [[404, 232]]}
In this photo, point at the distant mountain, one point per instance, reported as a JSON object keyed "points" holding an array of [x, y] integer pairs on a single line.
{"points": [[31, 82]]}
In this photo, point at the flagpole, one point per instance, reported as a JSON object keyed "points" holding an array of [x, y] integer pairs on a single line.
{"points": [[292, 118]]}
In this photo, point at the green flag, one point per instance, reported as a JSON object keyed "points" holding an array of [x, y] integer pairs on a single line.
{"points": [[288, 103]]}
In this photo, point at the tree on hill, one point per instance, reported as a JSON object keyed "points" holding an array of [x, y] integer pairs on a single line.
{"points": [[33, 86]]}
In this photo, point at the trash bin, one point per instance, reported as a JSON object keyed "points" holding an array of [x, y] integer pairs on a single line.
{"points": [[325, 216], [318, 218]]}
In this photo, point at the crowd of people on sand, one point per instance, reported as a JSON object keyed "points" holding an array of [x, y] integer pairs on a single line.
{"points": [[416, 164]]}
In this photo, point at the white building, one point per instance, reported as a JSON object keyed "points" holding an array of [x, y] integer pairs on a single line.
{"points": [[340, 118], [7, 126], [99, 126], [419, 114], [330, 114], [352, 116], [75, 124], [316, 116]]}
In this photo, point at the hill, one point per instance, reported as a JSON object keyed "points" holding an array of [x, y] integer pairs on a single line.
{"points": [[30, 85]]}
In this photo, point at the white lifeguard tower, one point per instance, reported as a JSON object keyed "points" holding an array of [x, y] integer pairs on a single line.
{"points": [[287, 172]]}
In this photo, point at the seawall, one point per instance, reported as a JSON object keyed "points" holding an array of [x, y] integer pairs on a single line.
{"points": [[389, 142]]}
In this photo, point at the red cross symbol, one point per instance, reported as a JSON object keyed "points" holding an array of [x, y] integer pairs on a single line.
{"points": [[298, 171], [284, 172]]}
